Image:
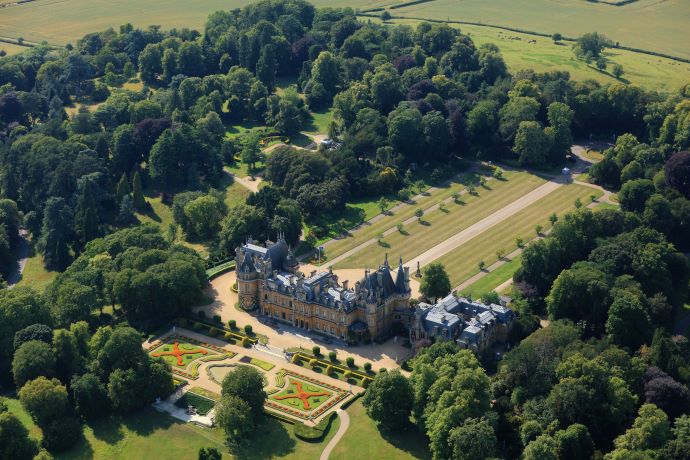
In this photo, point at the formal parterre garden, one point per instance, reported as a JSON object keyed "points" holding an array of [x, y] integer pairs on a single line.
{"points": [[301, 396], [185, 354]]}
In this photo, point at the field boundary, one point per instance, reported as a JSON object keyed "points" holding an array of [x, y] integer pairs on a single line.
{"points": [[523, 31]]}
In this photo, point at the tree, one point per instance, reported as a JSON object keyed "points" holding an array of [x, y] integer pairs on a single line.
{"points": [[68, 359], [388, 400], [14, 439], [677, 172], [266, 66], [590, 45], [138, 199], [45, 400], [542, 448], [39, 332], [382, 204], [473, 440], [62, 433], [634, 194], [556, 37], [666, 393], [236, 417], [418, 213], [246, 384], [31, 360], [251, 151], [628, 323], [560, 118], [90, 396], [56, 234], [209, 453], [435, 282], [650, 430], [617, 71], [574, 443], [532, 144], [203, 216]]}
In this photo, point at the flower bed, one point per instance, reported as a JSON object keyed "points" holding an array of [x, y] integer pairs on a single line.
{"points": [[185, 354], [297, 407]]}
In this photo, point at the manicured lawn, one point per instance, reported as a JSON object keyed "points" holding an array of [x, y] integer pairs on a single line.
{"points": [[257, 362], [364, 440], [437, 226], [149, 434], [493, 279], [35, 275], [461, 263]]}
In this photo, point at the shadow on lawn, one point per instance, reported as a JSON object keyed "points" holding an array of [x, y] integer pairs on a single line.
{"points": [[409, 439], [281, 443]]}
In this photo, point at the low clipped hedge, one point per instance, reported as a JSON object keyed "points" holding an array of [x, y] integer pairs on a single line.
{"points": [[317, 432]]}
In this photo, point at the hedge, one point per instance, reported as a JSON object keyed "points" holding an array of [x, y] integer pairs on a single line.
{"points": [[317, 432], [220, 269]]}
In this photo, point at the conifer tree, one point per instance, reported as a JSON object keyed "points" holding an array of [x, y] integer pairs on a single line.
{"points": [[122, 188], [138, 193]]}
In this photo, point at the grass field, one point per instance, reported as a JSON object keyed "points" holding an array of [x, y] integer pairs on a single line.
{"points": [[493, 279], [436, 226], [35, 275], [149, 434], [524, 51], [654, 25], [462, 262], [363, 439], [11, 48]]}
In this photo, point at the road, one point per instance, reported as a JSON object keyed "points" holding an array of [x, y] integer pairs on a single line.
{"points": [[344, 424], [22, 253]]}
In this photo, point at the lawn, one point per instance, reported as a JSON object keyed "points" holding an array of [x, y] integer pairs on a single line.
{"points": [[35, 274], [150, 434], [437, 226], [462, 262], [363, 439], [319, 122], [257, 362], [492, 279]]}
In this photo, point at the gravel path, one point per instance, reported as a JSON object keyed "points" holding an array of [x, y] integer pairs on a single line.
{"points": [[344, 424]]}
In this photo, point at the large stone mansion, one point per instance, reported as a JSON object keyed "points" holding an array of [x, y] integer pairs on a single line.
{"points": [[268, 279]]}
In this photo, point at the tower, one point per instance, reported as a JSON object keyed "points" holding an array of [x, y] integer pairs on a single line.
{"points": [[247, 281]]}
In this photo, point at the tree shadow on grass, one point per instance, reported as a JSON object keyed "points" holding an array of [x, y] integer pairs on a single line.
{"points": [[147, 421], [409, 439], [280, 445]]}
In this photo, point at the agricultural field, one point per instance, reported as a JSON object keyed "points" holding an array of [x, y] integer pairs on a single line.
{"points": [[525, 51], [437, 225], [11, 48], [659, 26], [462, 262]]}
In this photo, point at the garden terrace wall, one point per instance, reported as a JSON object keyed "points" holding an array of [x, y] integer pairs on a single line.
{"points": [[221, 269]]}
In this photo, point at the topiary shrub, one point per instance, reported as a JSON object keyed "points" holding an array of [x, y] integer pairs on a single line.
{"points": [[333, 356], [248, 329], [216, 319], [229, 337], [330, 370], [198, 327], [296, 360], [365, 383], [232, 324], [347, 375], [350, 361], [316, 350], [367, 367], [246, 343], [313, 362]]}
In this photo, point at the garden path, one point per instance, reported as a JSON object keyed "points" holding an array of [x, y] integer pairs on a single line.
{"points": [[344, 424]]}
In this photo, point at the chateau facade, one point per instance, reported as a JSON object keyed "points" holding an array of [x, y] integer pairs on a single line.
{"points": [[268, 279]]}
